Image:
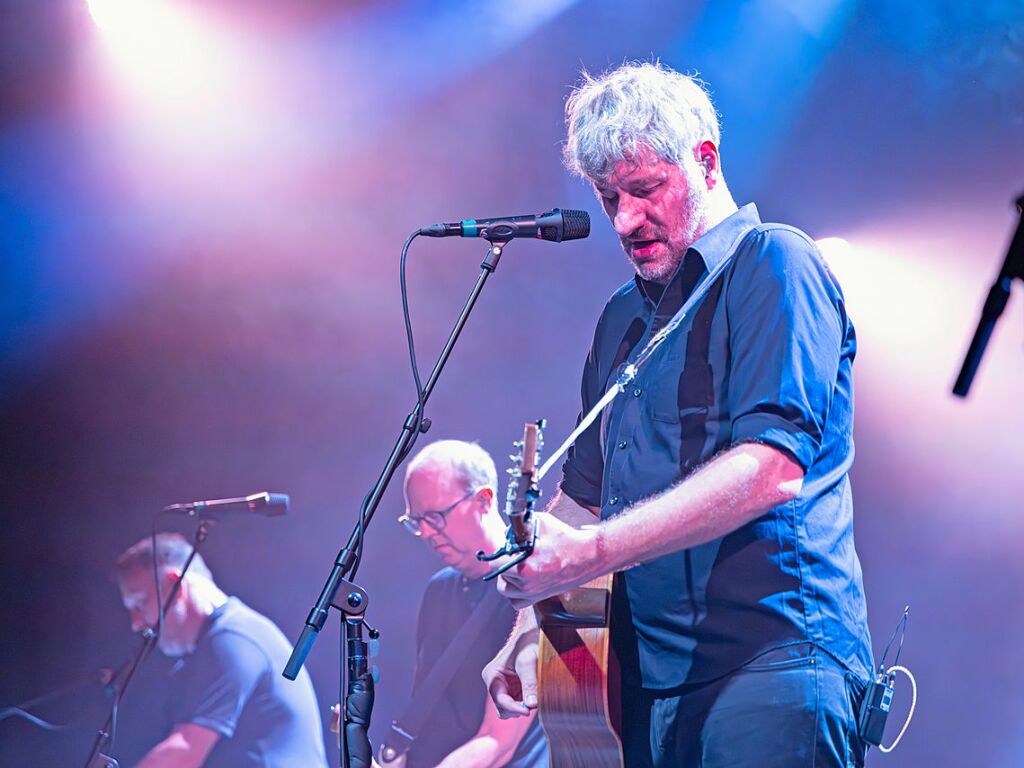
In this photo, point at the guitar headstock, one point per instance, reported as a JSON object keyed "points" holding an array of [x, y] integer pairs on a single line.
{"points": [[520, 498], [523, 490]]}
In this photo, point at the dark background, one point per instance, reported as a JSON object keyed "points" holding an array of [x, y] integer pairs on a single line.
{"points": [[201, 212]]}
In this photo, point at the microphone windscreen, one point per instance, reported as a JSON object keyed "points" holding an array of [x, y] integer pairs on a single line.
{"points": [[576, 225], [277, 504], [269, 504]]}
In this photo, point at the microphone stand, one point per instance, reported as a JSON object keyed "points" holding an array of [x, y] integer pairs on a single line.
{"points": [[1013, 267], [104, 736], [357, 698]]}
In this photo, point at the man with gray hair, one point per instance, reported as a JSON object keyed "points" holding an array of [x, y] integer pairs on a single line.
{"points": [[716, 485], [451, 504]]}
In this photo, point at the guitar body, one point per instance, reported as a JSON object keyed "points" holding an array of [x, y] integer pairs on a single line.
{"points": [[578, 683]]}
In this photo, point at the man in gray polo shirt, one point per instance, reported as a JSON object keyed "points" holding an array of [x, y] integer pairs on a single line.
{"points": [[227, 702]]}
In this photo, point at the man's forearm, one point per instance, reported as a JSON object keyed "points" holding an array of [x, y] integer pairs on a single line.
{"points": [[187, 746], [168, 755], [478, 752], [736, 487]]}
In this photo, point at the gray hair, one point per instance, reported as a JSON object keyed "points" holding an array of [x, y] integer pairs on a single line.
{"points": [[172, 551], [468, 463], [609, 118]]}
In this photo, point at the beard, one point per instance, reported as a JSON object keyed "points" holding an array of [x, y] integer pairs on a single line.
{"points": [[172, 642], [693, 219]]}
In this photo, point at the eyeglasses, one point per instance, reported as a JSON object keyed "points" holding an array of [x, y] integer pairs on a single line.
{"points": [[434, 518]]}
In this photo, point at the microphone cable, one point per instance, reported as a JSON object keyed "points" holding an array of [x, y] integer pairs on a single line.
{"points": [[878, 697], [901, 630], [420, 395]]}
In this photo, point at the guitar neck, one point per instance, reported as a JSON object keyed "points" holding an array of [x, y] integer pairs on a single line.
{"points": [[522, 529]]}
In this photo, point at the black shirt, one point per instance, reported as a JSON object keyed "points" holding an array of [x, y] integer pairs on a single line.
{"points": [[232, 684], [448, 602]]}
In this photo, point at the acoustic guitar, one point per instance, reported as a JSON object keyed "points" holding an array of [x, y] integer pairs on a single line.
{"points": [[578, 684]]}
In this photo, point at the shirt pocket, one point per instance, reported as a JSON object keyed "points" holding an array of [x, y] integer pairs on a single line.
{"points": [[664, 404], [662, 397]]}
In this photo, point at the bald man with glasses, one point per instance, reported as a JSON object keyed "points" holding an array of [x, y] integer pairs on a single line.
{"points": [[451, 504]]}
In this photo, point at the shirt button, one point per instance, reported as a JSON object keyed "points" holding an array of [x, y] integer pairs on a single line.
{"points": [[613, 501], [622, 443], [637, 392]]}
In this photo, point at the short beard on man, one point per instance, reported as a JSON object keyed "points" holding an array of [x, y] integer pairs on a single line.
{"points": [[170, 642], [696, 216]]}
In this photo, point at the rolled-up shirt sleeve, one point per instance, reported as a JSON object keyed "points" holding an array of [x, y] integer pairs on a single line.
{"points": [[583, 468], [787, 325]]}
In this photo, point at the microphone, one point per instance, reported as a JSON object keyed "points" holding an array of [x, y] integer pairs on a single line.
{"points": [[556, 225], [268, 504]]}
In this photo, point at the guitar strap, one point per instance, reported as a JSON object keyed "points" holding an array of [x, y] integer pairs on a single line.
{"points": [[421, 706], [630, 371]]}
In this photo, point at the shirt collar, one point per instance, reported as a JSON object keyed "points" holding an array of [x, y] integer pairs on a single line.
{"points": [[214, 617], [721, 240], [713, 246]]}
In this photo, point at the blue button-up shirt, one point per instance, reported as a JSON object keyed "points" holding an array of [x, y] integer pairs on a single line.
{"points": [[766, 356]]}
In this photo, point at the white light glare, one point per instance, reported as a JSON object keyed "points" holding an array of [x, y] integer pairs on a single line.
{"points": [[834, 248], [124, 16]]}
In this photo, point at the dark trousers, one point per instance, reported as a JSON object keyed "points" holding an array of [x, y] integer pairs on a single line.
{"points": [[791, 707]]}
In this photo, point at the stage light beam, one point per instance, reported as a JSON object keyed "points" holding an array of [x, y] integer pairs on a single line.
{"points": [[125, 17]]}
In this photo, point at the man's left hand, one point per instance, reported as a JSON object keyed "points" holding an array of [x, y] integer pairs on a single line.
{"points": [[563, 557]]}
